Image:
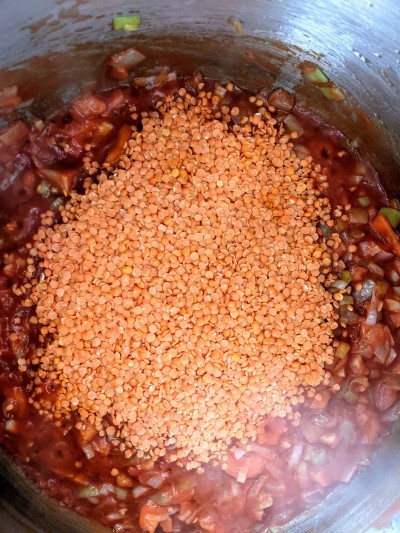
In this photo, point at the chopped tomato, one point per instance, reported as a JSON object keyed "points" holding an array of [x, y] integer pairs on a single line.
{"points": [[151, 514]]}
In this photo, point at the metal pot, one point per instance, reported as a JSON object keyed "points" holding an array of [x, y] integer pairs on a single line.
{"points": [[51, 48]]}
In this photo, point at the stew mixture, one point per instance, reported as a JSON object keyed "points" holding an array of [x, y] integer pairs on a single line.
{"points": [[199, 305]]}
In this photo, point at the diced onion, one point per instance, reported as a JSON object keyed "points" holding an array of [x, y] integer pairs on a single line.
{"points": [[106, 488], [155, 481], [372, 317], [220, 90], [126, 59], [376, 269], [293, 124], [88, 451], [139, 491], [121, 493], [392, 305], [239, 453], [11, 426], [112, 517], [357, 215], [296, 454], [88, 492], [242, 475]]}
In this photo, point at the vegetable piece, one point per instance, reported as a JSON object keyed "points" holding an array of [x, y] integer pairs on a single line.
{"points": [[127, 22], [121, 493], [315, 75], [88, 492], [365, 293], [151, 514], [139, 490], [122, 62], [9, 97], [12, 140], [342, 350], [282, 100], [364, 201], [63, 180], [43, 189], [392, 215], [332, 93], [392, 305], [237, 25], [346, 276], [376, 269], [117, 147], [293, 124], [258, 498], [11, 426], [385, 233], [358, 215]]}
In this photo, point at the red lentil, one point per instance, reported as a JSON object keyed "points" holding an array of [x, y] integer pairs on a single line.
{"points": [[187, 304]]}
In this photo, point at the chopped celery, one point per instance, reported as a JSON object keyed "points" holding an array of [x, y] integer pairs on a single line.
{"points": [[316, 76], [332, 93], [346, 276], [364, 201], [127, 23], [392, 215], [88, 492], [342, 350]]}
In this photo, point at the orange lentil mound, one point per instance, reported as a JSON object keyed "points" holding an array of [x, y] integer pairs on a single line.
{"points": [[183, 294]]}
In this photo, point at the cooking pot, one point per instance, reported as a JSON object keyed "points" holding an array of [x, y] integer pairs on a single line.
{"points": [[53, 48]]}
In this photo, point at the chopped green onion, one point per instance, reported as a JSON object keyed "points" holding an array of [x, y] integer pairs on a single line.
{"points": [[342, 350], [364, 201], [332, 93], [392, 215], [127, 23], [315, 75]]}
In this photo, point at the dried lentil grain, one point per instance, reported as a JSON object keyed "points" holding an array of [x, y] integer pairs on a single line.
{"points": [[176, 287]]}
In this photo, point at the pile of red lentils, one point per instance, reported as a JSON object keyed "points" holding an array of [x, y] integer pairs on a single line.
{"points": [[182, 296]]}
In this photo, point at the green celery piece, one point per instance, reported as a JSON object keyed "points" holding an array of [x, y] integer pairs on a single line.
{"points": [[316, 76], [364, 201], [346, 276], [127, 23], [392, 215], [332, 93], [342, 350]]}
